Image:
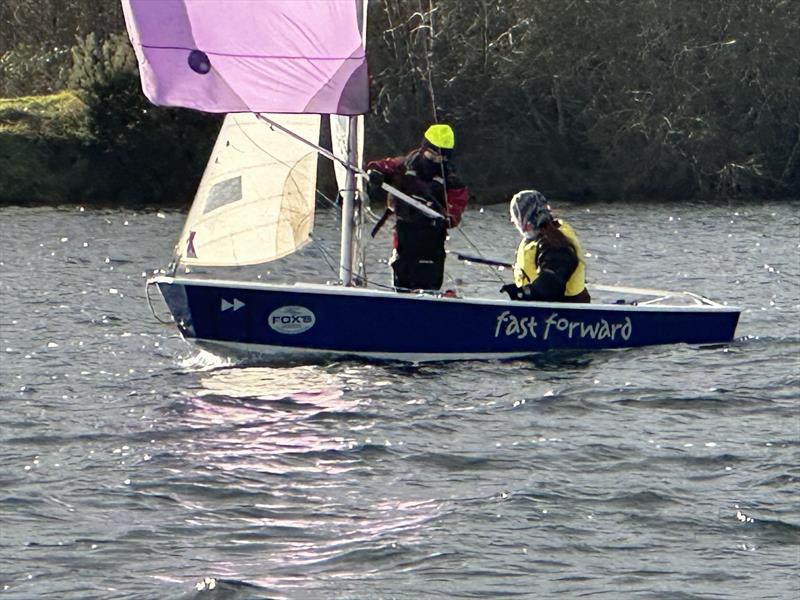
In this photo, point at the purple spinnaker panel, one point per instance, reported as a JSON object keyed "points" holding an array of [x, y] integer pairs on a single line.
{"points": [[275, 56]]}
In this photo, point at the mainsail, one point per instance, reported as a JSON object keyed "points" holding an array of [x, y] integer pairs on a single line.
{"points": [[275, 56], [255, 202]]}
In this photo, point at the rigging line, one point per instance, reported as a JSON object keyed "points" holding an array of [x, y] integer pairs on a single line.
{"points": [[338, 208], [252, 140], [358, 232], [318, 243], [147, 286], [372, 215], [428, 52], [335, 267], [325, 255], [480, 254], [328, 154], [429, 71], [393, 288], [333, 203]]}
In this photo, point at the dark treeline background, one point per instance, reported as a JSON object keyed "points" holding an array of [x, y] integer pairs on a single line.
{"points": [[602, 99]]}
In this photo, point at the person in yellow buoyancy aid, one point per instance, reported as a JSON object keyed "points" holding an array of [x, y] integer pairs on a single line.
{"points": [[549, 265]]}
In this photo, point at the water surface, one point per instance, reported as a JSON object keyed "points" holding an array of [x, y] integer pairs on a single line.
{"points": [[132, 466]]}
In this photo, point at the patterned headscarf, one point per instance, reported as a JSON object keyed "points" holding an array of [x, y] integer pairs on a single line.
{"points": [[529, 206]]}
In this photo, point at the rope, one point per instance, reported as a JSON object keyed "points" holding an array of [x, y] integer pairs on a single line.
{"points": [[480, 254], [360, 246], [394, 288], [147, 285], [428, 53], [429, 72]]}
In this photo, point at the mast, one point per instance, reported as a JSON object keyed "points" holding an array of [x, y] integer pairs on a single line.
{"points": [[348, 204]]}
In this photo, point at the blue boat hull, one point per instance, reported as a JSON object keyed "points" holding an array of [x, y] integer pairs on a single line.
{"points": [[233, 317]]}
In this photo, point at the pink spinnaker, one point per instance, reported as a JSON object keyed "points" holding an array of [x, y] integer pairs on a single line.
{"points": [[275, 56]]}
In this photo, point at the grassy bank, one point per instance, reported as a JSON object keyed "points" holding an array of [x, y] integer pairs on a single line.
{"points": [[54, 115], [58, 149], [43, 148]]}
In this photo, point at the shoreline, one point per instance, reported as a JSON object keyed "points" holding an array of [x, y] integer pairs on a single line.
{"points": [[48, 157]]}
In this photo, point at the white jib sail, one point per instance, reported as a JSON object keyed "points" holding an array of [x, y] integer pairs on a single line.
{"points": [[255, 202], [340, 131]]}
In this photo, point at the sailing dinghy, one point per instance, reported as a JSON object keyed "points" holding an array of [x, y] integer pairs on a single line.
{"points": [[275, 68]]}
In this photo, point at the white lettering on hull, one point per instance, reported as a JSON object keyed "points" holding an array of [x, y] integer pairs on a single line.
{"points": [[509, 325]]}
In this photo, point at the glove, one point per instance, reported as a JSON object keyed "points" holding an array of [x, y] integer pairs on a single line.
{"points": [[376, 178], [514, 292]]}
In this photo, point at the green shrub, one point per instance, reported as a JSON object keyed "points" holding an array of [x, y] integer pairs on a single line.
{"points": [[142, 153], [97, 62]]}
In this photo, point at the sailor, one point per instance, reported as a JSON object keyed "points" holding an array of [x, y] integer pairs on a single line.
{"points": [[549, 265], [427, 174]]}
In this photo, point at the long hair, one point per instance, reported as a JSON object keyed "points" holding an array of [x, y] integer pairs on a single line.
{"points": [[550, 233]]}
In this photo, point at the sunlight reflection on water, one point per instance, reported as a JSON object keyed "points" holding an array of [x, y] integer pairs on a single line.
{"points": [[302, 384], [257, 418]]}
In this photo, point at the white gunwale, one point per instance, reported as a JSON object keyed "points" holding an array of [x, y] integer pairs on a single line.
{"points": [[339, 290]]}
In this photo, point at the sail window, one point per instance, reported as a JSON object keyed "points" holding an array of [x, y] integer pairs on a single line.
{"points": [[255, 202], [222, 193]]}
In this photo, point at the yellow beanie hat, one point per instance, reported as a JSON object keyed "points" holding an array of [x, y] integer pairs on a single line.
{"points": [[441, 136]]}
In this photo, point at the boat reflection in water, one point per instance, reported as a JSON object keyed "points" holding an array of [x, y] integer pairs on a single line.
{"points": [[289, 455], [266, 420]]}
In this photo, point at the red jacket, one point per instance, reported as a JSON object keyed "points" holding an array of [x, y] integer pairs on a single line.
{"points": [[456, 193]]}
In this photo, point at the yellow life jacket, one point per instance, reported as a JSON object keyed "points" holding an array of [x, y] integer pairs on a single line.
{"points": [[525, 269]]}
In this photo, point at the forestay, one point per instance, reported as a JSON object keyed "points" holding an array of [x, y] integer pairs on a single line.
{"points": [[255, 202]]}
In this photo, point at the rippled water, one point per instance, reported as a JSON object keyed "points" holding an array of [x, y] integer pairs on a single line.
{"points": [[132, 466]]}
